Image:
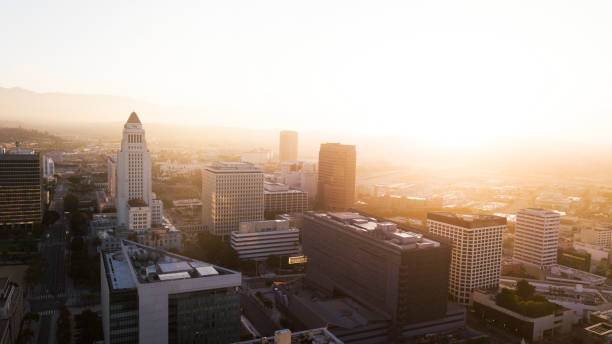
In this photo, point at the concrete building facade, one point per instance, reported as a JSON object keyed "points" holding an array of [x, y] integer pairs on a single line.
{"points": [[536, 237], [280, 199], [257, 240], [153, 296], [231, 193], [477, 250]]}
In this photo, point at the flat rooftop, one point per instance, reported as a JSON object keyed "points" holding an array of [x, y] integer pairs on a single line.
{"points": [[467, 220], [314, 336], [232, 167], [385, 232], [538, 211], [143, 264], [600, 329]]}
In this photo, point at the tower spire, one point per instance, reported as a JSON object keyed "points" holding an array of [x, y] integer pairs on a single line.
{"points": [[133, 118]]}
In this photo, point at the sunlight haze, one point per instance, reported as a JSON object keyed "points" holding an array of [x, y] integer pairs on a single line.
{"points": [[445, 71]]}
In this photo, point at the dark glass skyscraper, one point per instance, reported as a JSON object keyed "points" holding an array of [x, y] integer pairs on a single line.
{"points": [[20, 189], [401, 273]]}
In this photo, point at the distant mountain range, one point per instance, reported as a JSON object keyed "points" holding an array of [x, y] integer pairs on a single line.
{"points": [[18, 104]]}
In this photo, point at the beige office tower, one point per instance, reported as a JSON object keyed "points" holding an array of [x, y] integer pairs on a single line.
{"points": [[288, 148], [536, 237], [477, 250], [336, 182], [232, 192]]}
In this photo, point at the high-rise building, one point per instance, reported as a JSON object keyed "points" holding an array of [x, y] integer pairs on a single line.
{"points": [[477, 250], [48, 166], [536, 236], [232, 192], [20, 188], [281, 199], [384, 267], [288, 148], [153, 296], [111, 174], [257, 240], [133, 171], [337, 165]]}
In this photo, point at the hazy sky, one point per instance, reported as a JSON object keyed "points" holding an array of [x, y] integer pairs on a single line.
{"points": [[453, 70]]}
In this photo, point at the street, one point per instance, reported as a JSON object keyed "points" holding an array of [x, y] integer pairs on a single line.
{"points": [[53, 250]]}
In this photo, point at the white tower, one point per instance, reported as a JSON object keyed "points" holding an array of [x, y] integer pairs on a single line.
{"points": [[133, 173]]}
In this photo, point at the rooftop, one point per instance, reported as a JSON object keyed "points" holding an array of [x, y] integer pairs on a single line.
{"points": [[314, 336], [467, 220], [600, 329], [137, 263], [279, 188], [538, 211], [232, 167], [382, 231], [607, 314]]}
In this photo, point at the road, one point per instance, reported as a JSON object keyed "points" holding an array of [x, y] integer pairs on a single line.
{"points": [[53, 251]]}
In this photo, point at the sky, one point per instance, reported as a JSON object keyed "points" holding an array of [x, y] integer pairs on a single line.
{"points": [[446, 71]]}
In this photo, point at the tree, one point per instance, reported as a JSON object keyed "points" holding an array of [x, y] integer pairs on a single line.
{"points": [[31, 316], [64, 334], [90, 326], [25, 336], [49, 217], [34, 271], [524, 290], [71, 202], [76, 179]]}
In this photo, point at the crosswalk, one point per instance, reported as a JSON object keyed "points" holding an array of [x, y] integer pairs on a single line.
{"points": [[48, 312], [46, 296]]}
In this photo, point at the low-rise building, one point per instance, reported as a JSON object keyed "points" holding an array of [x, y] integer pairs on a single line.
{"points": [[314, 336], [281, 199], [600, 236], [257, 240], [531, 329], [164, 237]]}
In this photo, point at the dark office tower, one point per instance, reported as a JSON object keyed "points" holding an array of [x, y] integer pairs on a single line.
{"points": [[337, 164], [398, 272], [288, 150], [20, 189]]}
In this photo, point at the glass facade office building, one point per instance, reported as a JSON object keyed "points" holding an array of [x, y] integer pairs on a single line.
{"points": [[207, 316], [124, 317], [20, 189]]}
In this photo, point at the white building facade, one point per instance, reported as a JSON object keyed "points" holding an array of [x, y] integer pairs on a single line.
{"points": [[536, 237], [477, 250], [231, 193], [133, 170], [259, 239]]}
